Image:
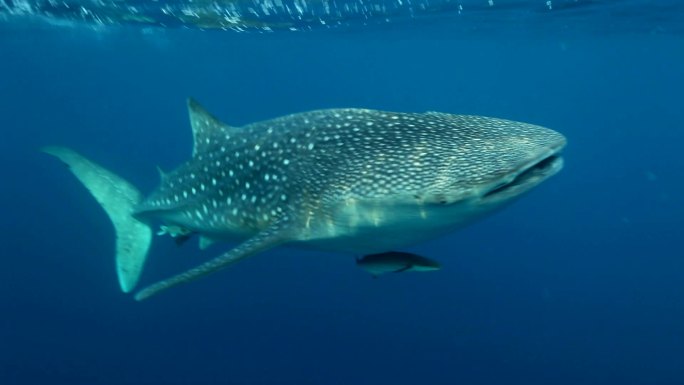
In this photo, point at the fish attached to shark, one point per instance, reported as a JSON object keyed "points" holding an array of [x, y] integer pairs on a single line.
{"points": [[395, 262], [345, 180]]}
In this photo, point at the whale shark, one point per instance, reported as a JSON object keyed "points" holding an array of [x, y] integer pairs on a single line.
{"points": [[345, 180]]}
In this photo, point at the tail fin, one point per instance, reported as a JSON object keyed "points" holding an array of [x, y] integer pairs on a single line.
{"points": [[118, 198]]}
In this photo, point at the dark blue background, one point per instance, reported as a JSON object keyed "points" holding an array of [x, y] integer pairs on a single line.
{"points": [[581, 281]]}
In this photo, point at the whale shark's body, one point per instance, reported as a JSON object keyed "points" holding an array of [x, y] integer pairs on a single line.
{"points": [[347, 180]]}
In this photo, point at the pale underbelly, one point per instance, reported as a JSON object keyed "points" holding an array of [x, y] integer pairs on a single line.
{"points": [[364, 229], [361, 228]]}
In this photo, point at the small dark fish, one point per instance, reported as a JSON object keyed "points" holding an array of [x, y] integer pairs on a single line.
{"points": [[395, 262], [181, 239]]}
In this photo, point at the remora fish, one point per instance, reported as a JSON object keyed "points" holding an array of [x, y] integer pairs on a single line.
{"points": [[395, 262], [346, 180]]}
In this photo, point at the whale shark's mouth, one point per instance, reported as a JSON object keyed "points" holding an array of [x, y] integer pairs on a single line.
{"points": [[528, 177]]}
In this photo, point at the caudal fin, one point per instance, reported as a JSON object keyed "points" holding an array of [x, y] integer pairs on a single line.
{"points": [[118, 198]]}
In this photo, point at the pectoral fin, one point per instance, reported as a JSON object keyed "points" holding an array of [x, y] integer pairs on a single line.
{"points": [[275, 235]]}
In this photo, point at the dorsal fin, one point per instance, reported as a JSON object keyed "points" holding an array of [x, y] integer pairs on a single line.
{"points": [[206, 128]]}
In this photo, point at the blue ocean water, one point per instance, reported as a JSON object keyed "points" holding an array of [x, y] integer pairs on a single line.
{"points": [[579, 282]]}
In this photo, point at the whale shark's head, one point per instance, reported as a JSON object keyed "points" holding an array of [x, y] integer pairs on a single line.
{"points": [[391, 180], [492, 161], [522, 158]]}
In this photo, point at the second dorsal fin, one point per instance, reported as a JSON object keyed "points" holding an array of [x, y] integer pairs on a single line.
{"points": [[162, 175]]}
